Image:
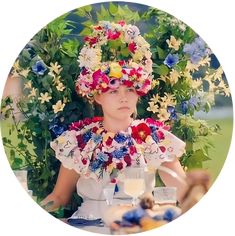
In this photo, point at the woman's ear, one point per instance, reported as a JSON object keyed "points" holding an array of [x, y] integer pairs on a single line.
{"points": [[97, 99]]}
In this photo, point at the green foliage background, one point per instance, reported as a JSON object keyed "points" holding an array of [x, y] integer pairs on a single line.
{"points": [[27, 139]]}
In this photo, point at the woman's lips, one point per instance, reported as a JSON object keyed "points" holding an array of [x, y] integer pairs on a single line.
{"points": [[123, 108]]}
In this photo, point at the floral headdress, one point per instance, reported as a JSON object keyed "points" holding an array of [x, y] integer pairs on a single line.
{"points": [[114, 54]]}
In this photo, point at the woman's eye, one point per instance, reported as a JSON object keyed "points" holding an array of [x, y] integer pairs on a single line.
{"points": [[113, 91], [131, 90]]}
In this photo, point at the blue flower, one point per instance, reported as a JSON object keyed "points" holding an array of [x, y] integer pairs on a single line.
{"points": [[39, 67], [169, 215], [56, 128], [196, 50], [184, 107], [96, 164], [171, 110], [155, 137], [96, 138], [87, 136], [134, 216], [102, 157], [118, 154], [171, 60], [120, 138]]}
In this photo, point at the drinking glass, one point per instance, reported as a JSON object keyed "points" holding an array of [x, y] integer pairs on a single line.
{"points": [[108, 192], [134, 184], [165, 195]]}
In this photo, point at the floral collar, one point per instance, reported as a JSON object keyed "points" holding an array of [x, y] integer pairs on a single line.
{"points": [[105, 152]]}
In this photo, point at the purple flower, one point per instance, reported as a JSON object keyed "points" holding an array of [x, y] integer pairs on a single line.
{"points": [[171, 60], [196, 50], [171, 110], [193, 101], [184, 107], [39, 67]]}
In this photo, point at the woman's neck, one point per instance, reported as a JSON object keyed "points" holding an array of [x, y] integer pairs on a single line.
{"points": [[116, 125]]}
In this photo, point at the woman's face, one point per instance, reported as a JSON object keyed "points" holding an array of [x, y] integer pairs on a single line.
{"points": [[118, 103]]}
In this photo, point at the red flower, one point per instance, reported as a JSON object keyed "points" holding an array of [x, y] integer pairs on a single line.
{"points": [[127, 159], [128, 83], [119, 165], [97, 118], [90, 40], [140, 132], [162, 148], [84, 161], [133, 150], [80, 141], [109, 141], [132, 47]]}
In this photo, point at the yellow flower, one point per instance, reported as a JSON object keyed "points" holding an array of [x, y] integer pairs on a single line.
{"points": [[155, 98], [195, 84], [60, 87], [28, 85], [163, 115], [56, 79], [115, 70], [152, 107], [59, 106], [107, 135], [154, 83], [44, 97], [173, 43], [54, 67], [16, 65], [174, 76], [32, 93], [24, 72], [110, 167]]}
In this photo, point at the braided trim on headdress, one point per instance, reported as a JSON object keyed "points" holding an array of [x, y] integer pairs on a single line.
{"points": [[114, 54]]}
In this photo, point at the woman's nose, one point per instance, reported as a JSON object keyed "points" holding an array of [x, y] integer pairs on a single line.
{"points": [[123, 97]]}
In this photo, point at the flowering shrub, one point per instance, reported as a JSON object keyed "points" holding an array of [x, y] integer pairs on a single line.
{"points": [[184, 81]]}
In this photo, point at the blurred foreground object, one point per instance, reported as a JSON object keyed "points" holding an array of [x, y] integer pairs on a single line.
{"points": [[198, 182], [126, 219]]}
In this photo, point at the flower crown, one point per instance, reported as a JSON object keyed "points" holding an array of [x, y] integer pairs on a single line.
{"points": [[114, 54]]}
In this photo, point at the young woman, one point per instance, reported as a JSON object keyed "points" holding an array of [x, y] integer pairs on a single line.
{"points": [[95, 152]]}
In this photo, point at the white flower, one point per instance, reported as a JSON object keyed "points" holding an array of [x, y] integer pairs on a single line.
{"points": [[90, 58], [131, 32]]}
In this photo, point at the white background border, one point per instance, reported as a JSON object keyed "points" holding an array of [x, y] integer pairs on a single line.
{"points": [[212, 20]]}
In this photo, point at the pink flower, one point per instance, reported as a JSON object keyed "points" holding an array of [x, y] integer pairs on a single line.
{"points": [[132, 47], [113, 35]]}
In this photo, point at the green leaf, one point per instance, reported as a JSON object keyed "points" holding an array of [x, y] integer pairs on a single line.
{"points": [[87, 8], [85, 31], [161, 53], [113, 9], [161, 70]]}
